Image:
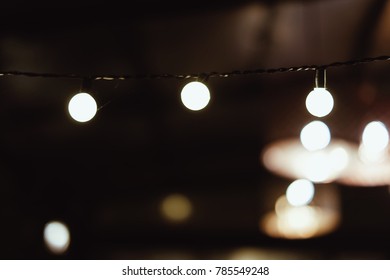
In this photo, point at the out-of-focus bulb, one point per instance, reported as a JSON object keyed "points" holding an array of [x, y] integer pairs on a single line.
{"points": [[300, 192], [56, 236], [82, 107], [319, 102], [375, 136], [315, 136], [195, 96], [375, 140], [176, 208]]}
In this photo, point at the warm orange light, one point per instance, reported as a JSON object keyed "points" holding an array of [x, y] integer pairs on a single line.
{"points": [[302, 222], [320, 217]]}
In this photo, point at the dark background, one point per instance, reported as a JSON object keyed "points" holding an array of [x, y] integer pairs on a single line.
{"points": [[106, 178]]}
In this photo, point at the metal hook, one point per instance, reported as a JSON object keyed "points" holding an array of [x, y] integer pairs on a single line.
{"points": [[320, 79]]}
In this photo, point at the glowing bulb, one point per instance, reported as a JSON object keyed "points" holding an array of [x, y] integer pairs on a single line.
{"points": [[315, 136], [319, 102], [176, 208], [375, 140], [82, 107], [300, 192], [56, 236], [195, 96], [375, 136]]}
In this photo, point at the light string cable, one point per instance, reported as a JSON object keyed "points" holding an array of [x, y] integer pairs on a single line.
{"points": [[200, 75]]}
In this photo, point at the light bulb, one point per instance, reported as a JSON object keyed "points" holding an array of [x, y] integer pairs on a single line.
{"points": [[82, 107], [319, 102], [300, 192], [375, 136], [56, 236], [195, 96], [315, 136], [375, 139]]}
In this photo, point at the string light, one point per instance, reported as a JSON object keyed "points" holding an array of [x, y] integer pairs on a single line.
{"points": [[82, 107], [319, 101], [195, 96], [200, 75]]}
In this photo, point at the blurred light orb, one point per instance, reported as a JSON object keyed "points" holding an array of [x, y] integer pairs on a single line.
{"points": [[57, 237], [319, 102], [375, 136], [176, 208], [339, 158], [82, 107], [375, 139], [301, 219], [302, 222], [315, 136], [195, 96], [319, 167], [300, 192]]}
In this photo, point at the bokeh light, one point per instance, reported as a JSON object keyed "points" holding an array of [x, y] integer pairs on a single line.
{"points": [[300, 192], [56, 237], [302, 222], [288, 158], [195, 96], [319, 102], [176, 208], [375, 136], [82, 107], [315, 136], [375, 139]]}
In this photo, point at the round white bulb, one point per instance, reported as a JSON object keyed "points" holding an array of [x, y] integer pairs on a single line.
{"points": [[300, 192], [375, 136], [82, 107], [195, 96], [315, 136], [56, 236], [319, 102]]}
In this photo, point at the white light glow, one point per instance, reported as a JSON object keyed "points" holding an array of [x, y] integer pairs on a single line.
{"points": [[300, 192], [82, 107], [315, 136], [290, 159], [57, 237], [300, 222], [375, 140], [176, 208], [300, 219], [319, 167], [375, 136], [319, 102], [339, 159], [195, 96]]}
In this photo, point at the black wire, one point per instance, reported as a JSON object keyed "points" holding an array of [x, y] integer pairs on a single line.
{"points": [[200, 75]]}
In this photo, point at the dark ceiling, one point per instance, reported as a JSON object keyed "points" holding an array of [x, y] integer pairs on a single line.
{"points": [[106, 178]]}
